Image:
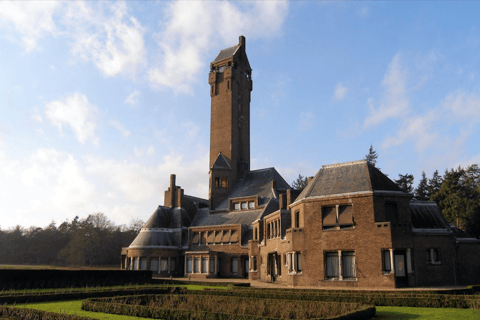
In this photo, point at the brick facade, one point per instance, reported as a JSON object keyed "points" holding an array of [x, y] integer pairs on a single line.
{"points": [[350, 227]]}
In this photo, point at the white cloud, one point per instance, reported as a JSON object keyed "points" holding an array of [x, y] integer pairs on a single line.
{"points": [[117, 125], [394, 102], [30, 19], [417, 128], [340, 92], [150, 150], [463, 105], [107, 35], [194, 28], [76, 112], [306, 120], [132, 99], [55, 185], [37, 118]]}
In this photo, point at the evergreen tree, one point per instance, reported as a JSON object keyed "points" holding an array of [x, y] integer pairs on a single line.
{"points": [[405, 182], [458, 196], [434, 185], [421, 192], [372, 156], [300, 183]]}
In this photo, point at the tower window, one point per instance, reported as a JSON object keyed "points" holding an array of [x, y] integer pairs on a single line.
{"points": [[228, 85], [225, 182], [217, 182]]}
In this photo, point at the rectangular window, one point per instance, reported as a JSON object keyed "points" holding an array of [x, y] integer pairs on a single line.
{"points": [[196, 238], [236, 206], [387, 266], [297, 219], [197, 265], [217, 182], [251, 205], [244, 205], [189, 265], [154, 264], [290, 262], [348, 265], [329, 217], [164, 264], [331, 265], [212, 265], [204, 265], [254, 263], [299, 261], [172, 265], [235, 265], [345, 216], [433, 256], [143, 264]]}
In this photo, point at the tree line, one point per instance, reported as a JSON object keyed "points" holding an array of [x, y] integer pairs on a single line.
{"points": [[93, 241]]}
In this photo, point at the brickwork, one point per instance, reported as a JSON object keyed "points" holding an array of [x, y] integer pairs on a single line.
{"points": [[442, 270]]}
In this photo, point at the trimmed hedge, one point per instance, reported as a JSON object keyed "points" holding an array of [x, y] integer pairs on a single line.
{"points": [[185, 306], [79, 295], [32, 314], [17, 279], [378, 298]]}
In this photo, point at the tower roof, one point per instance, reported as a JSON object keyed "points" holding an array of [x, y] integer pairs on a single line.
{"points": [[226, 53]]}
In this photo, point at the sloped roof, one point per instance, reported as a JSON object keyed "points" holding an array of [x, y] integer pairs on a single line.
{"points": [[348, 177], [245, 217], [161, 218], [221, 163], [427, 215], [153, 238], [256, 183], [226, 53]]}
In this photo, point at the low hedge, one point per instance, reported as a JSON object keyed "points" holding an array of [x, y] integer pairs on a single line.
{"points": [[32, 314], [18, 279], [378, 298], [80, 295], [185, 306]]}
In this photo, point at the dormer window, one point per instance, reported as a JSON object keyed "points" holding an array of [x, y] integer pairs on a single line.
{"points": [[244, 206], [251, 205], [236, 206]]}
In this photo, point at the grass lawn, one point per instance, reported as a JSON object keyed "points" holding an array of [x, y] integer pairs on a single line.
{"points": [[385, 313], [74, 307]]}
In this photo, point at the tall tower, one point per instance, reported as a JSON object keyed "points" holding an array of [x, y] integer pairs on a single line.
{"points": [[230, 80]]}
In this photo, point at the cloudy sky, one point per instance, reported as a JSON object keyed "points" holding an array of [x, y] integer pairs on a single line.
{"points": [[101, 101]]}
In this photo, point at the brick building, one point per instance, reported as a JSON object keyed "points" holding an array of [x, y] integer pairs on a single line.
{"points": [[350, 227]]}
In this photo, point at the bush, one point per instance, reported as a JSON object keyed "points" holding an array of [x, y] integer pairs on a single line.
{"points": [[16, 279], [32, 314], [185, 306]]}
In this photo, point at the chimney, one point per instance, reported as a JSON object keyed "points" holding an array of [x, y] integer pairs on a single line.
{"points": [[179, 197], [243, 43], [173, 188], [309, 179]]}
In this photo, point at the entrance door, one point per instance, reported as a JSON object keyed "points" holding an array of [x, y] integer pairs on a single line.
{"points": [[272, 266], [246, 266], [401, 279]]}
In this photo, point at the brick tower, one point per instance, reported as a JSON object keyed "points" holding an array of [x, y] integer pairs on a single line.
{"points": [[230, 82]]}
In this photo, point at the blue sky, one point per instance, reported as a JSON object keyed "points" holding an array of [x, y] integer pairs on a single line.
{"points": [[101, 101]]}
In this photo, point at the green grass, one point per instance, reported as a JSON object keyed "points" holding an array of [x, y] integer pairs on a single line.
{"points": [[383, 313], [136, 286], [387, 313], [74, 307]]}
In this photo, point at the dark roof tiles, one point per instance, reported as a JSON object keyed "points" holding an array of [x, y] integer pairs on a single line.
{"points": [[348, 177], [427, 215], [226, 53]]}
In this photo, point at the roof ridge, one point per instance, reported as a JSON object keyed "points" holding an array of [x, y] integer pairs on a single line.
{"points": [[342, 164]]}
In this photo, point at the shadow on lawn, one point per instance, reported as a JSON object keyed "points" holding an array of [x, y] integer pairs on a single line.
{"points": [[387, 315]]}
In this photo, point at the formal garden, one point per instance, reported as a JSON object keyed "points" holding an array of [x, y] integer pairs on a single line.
{"points": [[92, 294]]}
